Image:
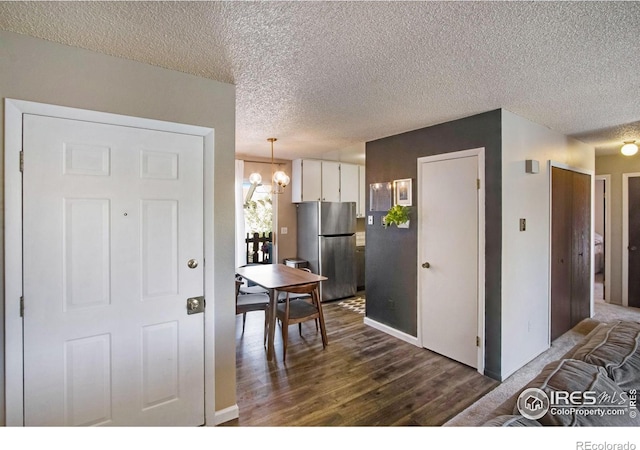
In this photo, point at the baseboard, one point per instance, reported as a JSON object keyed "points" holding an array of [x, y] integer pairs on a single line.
{"points": [[392, 331], [494, 375], [227, 414]]}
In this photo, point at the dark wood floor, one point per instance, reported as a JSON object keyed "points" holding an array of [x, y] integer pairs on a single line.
{"points": [[363, 378]]}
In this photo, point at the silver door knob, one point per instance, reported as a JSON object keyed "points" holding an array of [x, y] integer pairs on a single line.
{"points": [[426, 265], [195, 305], [192, 264]]}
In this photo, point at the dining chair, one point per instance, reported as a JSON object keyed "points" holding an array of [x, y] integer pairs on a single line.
{"points": [[293, 311], [282, 295], [251, 302], [251, 288]]}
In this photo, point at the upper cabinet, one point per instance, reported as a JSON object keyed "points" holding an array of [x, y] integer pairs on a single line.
{"points": [[330, 181], [327, 181], [349, 180], [306, 180], [361, 210]]}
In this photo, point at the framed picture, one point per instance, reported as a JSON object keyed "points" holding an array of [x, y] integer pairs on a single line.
{"points": [[402, 192], [380, 196]]}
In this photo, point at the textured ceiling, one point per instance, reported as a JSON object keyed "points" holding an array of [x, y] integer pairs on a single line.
{"points": [[325, 77]]}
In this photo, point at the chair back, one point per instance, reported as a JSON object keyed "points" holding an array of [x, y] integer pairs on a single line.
{"points": [[307, 288]]}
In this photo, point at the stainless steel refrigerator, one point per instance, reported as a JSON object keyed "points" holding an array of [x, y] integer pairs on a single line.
{"points": [[327, 240]]}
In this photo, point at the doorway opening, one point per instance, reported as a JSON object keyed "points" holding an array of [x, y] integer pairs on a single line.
{"points": [[450, 247], [258, 214], [600, 239], [631, 239], [86, 202]]}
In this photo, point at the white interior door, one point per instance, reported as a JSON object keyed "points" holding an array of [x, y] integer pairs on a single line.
{"points": [[449, 257], [112, 214]]}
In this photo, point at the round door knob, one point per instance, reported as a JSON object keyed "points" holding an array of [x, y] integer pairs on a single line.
{"points": [[426, 265], [192, 264], [194, 304]]}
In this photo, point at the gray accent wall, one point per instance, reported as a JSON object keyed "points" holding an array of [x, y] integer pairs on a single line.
{"points": [[391, 254]]}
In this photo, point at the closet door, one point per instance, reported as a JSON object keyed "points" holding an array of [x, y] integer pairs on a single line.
{"points": [[581, 248], [560, 251], [570, 249], [634, 242]]}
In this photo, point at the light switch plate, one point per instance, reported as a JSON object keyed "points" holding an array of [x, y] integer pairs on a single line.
{"points": [[370, 220], [284, 230]]}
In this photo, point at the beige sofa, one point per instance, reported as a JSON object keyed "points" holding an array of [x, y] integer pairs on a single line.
{"points": [[594, 384]]}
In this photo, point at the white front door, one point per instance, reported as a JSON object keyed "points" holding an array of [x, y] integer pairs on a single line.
{"points": [[112, 215], [448, 257]]}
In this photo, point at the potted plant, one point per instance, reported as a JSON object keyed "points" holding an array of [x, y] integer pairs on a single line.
{"points": [[398, 215]]}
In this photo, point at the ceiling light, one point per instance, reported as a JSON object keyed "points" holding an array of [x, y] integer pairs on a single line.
{"points": [[280, 178], [255, 178], [629, 148]]}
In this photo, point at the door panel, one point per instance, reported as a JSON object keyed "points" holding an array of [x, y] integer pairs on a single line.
{"points": [[449, 244], [111, 216], [570, 249], [581, 243], [634, 242], [330, 181], [560, 252]]}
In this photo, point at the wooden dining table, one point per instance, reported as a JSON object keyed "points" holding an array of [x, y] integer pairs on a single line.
{"points": [[273, 277]]}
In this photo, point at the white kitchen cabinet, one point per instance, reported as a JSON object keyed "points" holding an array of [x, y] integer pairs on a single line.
{"points": [[349, 180], [328, 181], [306, 180], [315, 180]]}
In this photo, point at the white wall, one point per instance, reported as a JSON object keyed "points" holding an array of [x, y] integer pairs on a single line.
{"points": [[45, 72], [526, 254]]}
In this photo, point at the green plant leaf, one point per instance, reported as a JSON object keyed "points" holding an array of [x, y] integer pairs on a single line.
{"points": [[397, 215]]}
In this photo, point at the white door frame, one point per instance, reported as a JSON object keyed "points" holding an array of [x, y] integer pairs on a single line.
{"points": [[479, 152], [607, 234], [13, 271], [625, 235]]}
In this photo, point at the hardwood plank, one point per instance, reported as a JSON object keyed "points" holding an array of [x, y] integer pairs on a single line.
{"points": [[363, 378]]}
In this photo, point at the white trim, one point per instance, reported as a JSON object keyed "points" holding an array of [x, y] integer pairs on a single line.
{"points": [[14, 386], [392, 331], [561, 165], [14, 110], [607, 234], [227, 414], [625, 235], [479, 153], [591, 173], [208, 135]]}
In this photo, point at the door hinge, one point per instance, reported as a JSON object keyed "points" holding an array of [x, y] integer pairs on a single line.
{"points": [[21, 306], [477, 341], [21, 161], [478, 182]]}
